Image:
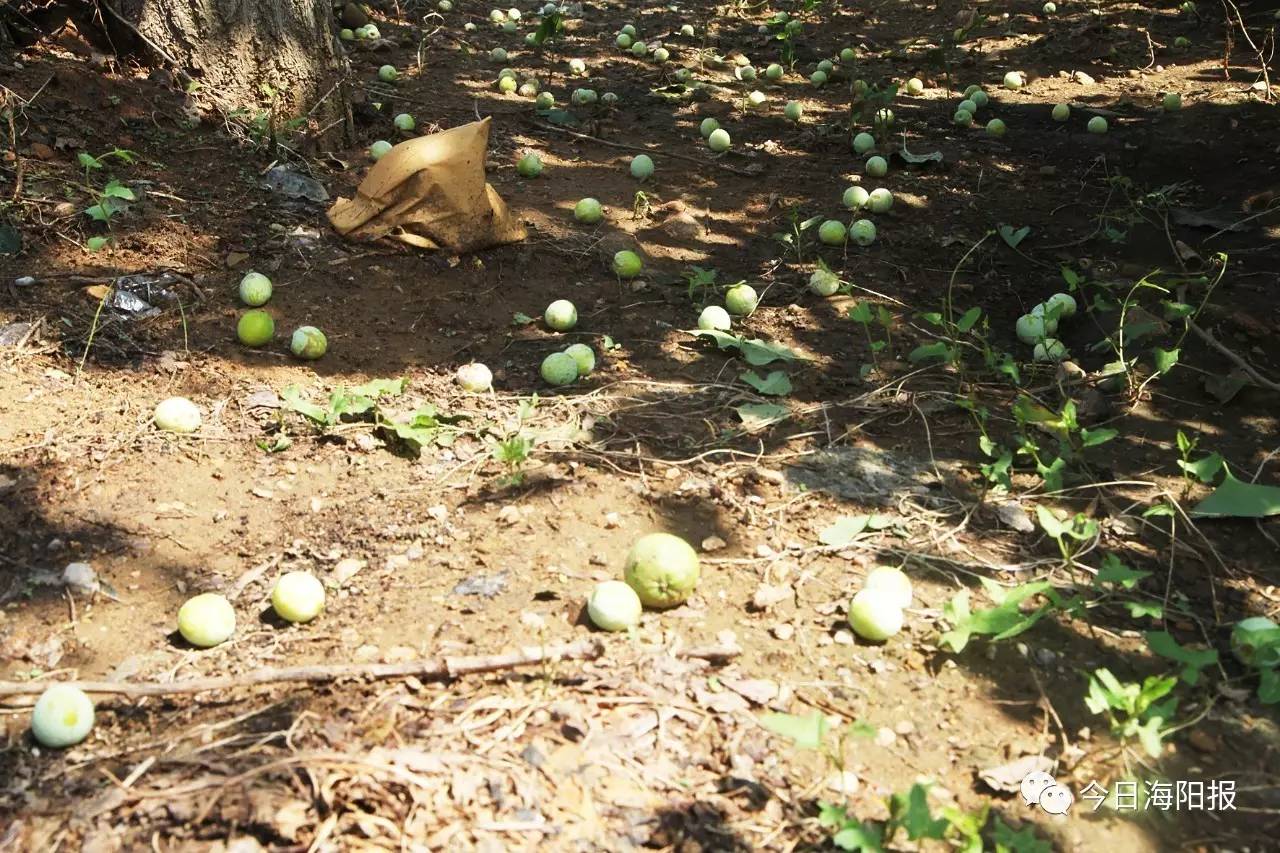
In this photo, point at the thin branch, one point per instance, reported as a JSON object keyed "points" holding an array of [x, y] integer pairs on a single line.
{"points": [[623, 146]]}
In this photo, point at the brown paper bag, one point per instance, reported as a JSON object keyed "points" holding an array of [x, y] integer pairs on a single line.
{"points": [[430, 192]]}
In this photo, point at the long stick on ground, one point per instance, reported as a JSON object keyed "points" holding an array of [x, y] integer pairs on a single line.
{"points": [[431, 668], [435, 669], [663, 152]]}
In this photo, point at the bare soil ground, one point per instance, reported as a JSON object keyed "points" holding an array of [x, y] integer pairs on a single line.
{"points": [[640, 747]]}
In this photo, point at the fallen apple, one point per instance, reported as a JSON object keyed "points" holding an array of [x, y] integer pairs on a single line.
{"points": [[507, 85], [741, 300], [793, 111], [1032, 328], [756, 100], [474, 377], [255, 328], [177, 414], [883, 118], [641, 166], [824, 282], [1050, 350], [915, 86], [1097, 124], [1061, 112], [880, 200], [708, 126], [856, 197], [577, 66], [863, 142], [297, 597], [874, 615], [996, 128], [62, 716], [308, 342], [714, 318], [639, 48], [818, 78], [530, 165], [1172, 102], [893, 582], [962, 118], [544, 101], [498, 54], [255, 289], [1061, 305], [623, 41], [206, 620], [614, 606], [1014, 80], [627, 264], [848, 55], [584, 356], [404, 122], [832, 233], [559, 369], [588, 211], [379, 149], [719, 141], [863, 232], [687, 30], [388, 73], [662, 569], [773, 72], [968, 106], [745, 73], [561, 315], [877, 166], [346, 34]]}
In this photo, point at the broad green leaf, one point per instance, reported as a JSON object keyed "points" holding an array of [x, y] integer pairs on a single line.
{"points": [[88, 161], [98, 213], [1238, 499], [1269, 686], [1013, 236], [859, 728], [757, 416], [1053, 473], [1140, 609], [1022, 841], [93, 244], [291, 399], [1193, 660], [1094, 437], [806, 732], [933, 318], [755, 351], [115, 189], [1115, 572], [1164, 359], [859, 837], [520, 319], [844, 530], [936, 350], [860, 313], [1205, 469], [911, 812], [956, 612], [968, 319], [1049, 522], [776, 384], [380, 387]]}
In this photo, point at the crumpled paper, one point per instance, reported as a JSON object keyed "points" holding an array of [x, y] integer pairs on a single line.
{"points": [[430, 192]]}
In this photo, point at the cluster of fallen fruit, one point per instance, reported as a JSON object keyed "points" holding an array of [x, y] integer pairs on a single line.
{"points": [[661, 572]]}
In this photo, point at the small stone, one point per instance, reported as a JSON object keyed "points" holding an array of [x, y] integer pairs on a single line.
{"points": [[1202, 741], [783, 631], [347, 569], [842, 637], [1083, 79], [885, 736], [904, 727], [763, 550], [368, 653], [713, 543], [599, 560], [611, 520], [844, 783]]}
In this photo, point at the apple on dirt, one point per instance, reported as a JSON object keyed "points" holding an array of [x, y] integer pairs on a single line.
{"points": [[707, 127], [614, 606], [714, 318], [178, 415], [627, 264], [863, 142], [663, 570], [559, 369], [585, 357], [379, 149], [404, 122], [741, 300], [529, 166], [793, 111], [863, 232], [475, 378], [642, 167], [719, 141], [588, 211], [832, 232], [206, 620], [298, 597], [875, 614], [388, 74], [62, 716], [855, 197], [308, 343], [824, 282], [561, 315], [255, 328]]}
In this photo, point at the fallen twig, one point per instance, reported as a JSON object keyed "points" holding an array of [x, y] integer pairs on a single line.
{"points": [[671, 154], [1239, 361], [430, 668]]}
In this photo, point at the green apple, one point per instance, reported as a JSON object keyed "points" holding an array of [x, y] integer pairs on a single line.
{"points": [[627, 264], [588, 211], [877, 166], [561, 315], [855, 197], [62, 716], [308, 343], [874, 615], [297, 597], [1097, 124], [714, 318], [206, 620], [559, 369], [708, 126], [177, 414], [880, 200], [863, 142], [255, 289], [388, 73], [996, 128], [585, 357], [863, 232], [530, 165], [255, 328], [832, 233], [614, 606], [1061, 112], [741, 300], [719, 140], [641, 167]]}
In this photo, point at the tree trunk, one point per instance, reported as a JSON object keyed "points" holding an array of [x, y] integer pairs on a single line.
{"points": [[254, 54]]}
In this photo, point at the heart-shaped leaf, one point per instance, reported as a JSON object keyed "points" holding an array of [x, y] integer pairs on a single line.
{"points": [[1013, 236]]}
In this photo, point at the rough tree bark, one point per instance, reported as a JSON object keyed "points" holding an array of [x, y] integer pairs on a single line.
{"points": [[232, 48]]}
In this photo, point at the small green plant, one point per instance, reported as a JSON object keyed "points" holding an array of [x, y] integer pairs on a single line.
{"points": [[792, 240], [785, 30], [112, 198], [640, 206], [1134, 709], [701, 282], [362, 405], [514, 449], [1072, 535], [865, 314]]}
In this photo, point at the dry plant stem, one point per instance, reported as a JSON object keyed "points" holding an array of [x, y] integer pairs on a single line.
{"points": [[433, 668], [1248, 368], [669, 154], [430, 668]]}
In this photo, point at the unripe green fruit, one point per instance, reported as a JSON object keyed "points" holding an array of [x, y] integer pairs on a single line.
{"points": [[308, 343], [379, 149], [719, 140], [968, 106], [255, 289], [474, 377], [863, 232], [818, 78], [714, 318], [824, 282], [855, 197], [847, 55], [687, 31], [530, 165], [641, 166], [1014, 80], [1097, 124], [629, 30], [832, 233], [915, 86], [962, 118], [588, 211], [826, 66], [614, 606], [559, 369], [708, 126], [255, 328], [584, 355], [661, 55], [863, 142], [627, 264], [1061, 112], [774, 72], [874, 615], [404, 122], [498, 54], [1172, 102], [206, 620], [1049, 8], [1049, 350], [741, 300], [756, 100], [507, 85], [298, 597], [388, 73], [877, 166], [544, 101], [979, 97], [577, 66], [561, 315], [793, 111], [528, 89], [1061, 305], [1032, 328], [639, 48], [883, 118], [662, 569], [892, 582], [62, 716], [745, 73], [346, 34], [995, 127], [880, 200], [623, 41]]}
